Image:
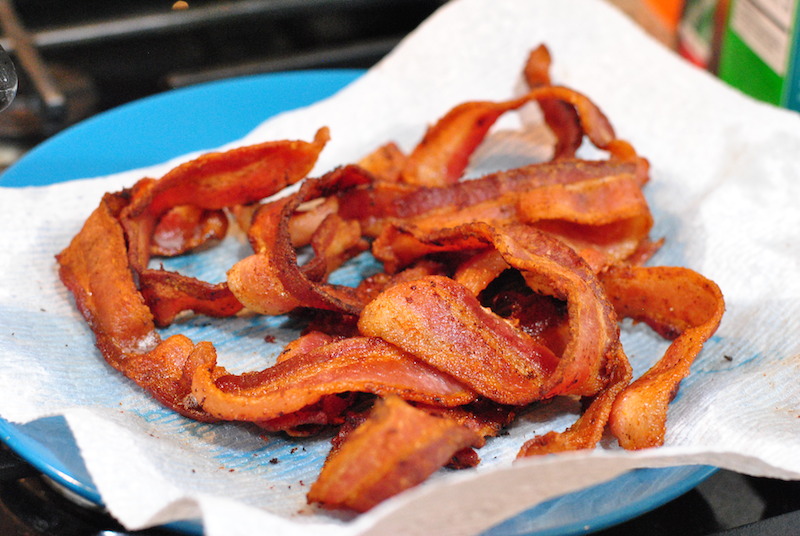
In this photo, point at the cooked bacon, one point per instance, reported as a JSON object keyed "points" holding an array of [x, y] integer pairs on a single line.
{"points": [[396, 448], [443, 154], [562, 118], [680, 304], [376, 202], [496, 293], [168, 294], [441, 323], [187, 227], [500, 198], [360, 364], [270, 281], [551, 268], [605, 220], [216, 180], [94, 267]]}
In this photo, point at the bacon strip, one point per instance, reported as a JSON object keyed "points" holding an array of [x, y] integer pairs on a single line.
{"points": [[94, 267], [216, 180], [443, 154], [360, 364], [187, 227], [493, 199], [562, 118], [679, 304], [551, 268], [440, 322], [396, 448], [372, 204], [605, 220], [270, 281]]}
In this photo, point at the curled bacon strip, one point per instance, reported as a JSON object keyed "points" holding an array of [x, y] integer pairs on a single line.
{"points": [[440, 322], [94, 267], [271, 282], [551, 268], [494, 199], [562, 118], [396, 448], [214, 181], [679, 304], [361, 364], [443, 154]]}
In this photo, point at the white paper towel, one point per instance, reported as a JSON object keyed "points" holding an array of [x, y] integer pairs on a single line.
{"points": [[725, 183]]}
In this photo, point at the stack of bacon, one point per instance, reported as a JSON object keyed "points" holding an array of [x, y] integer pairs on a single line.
{"points": [[497, 292]]}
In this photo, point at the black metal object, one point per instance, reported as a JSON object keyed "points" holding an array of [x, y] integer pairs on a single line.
{"points": [[79, 58]]}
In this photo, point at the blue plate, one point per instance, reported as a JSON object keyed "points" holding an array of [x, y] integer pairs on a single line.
{"points": [[158, 128]]}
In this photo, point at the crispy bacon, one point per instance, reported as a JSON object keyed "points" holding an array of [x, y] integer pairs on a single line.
{"points": [[579, 191], [551, 268], [440, 322], [562, 118], [361, 364], [216, 180], [396, 448], [94, 267], [376, 202], [496, 293], [680, 304], [443, 154], [270, 281], [187, 227], [605, 220]]}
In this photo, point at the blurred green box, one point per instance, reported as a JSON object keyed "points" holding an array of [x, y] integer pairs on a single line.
{"points": [[760, 52]]}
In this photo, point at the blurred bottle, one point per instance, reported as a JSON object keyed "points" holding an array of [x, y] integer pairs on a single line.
{"points": [[701, 30], [760, 50]]}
